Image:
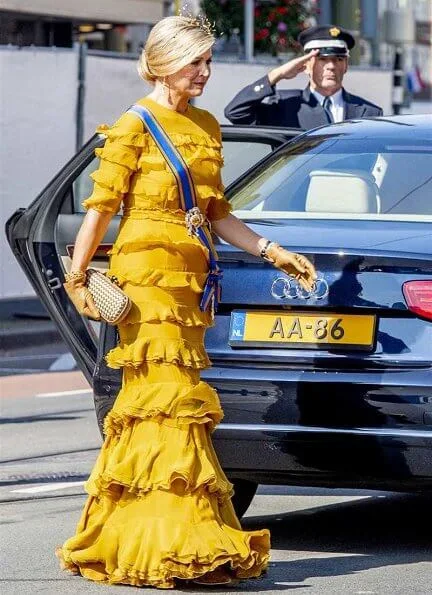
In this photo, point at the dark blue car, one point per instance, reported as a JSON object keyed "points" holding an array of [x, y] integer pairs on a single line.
{"points": [[327, 388]]}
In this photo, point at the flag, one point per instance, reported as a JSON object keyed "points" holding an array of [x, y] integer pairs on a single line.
{"points": [[415, 83]]}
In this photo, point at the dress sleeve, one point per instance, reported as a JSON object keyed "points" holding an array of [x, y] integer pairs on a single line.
{"points": [[218, 207], [118, 161]]}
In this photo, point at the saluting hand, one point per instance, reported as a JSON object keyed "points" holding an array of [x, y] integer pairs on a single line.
{"points": [[291, 69]]}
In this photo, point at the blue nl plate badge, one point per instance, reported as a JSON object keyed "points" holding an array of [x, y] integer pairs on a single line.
{"points": [[237, 327]]}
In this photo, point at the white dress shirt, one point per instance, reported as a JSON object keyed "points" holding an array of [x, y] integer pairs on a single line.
{"points": [[337, 105]]}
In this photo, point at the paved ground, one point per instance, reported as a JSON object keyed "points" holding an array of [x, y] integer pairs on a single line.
{"points": [[324, 541]]}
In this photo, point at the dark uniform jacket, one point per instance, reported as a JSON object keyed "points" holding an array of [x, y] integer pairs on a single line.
{"points": [[296, 108]]}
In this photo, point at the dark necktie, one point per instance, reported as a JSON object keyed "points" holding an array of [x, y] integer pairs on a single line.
{"points": [[327, 108]]}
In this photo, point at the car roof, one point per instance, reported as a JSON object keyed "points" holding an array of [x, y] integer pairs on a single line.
{"points": [[277, 133], [384, 126]]}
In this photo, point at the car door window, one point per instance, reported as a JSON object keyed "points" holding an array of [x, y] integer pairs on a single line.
{"points": [[83, 185], [240, 155]]}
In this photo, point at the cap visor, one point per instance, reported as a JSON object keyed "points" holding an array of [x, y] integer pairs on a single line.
{"points": [[330, 51]]}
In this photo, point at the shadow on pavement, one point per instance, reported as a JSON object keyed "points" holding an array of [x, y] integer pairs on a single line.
{"points": [[373, 533]]}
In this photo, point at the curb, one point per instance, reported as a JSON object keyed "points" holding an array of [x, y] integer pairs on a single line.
{"points": [[25, 323], [19, 335]]}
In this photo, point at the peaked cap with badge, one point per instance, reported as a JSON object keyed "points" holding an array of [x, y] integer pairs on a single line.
{"points": [[262, 104], [328, 39]]}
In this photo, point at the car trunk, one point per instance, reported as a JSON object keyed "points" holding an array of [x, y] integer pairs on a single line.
{"points": [[361, 277]]}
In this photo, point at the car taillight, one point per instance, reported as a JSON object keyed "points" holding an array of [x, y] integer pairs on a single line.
{"points": [[418, 296]]}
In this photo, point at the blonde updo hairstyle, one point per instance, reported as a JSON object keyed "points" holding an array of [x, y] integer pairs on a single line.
{"points": [[173, 43]]}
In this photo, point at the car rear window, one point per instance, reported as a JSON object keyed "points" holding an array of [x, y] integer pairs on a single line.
{"points": [[336, 177]]}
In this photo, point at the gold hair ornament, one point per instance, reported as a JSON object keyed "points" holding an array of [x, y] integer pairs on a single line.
{"points": [[199, 20]]}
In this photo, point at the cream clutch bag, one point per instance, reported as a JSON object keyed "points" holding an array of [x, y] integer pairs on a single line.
{"points": [[112, 303]]}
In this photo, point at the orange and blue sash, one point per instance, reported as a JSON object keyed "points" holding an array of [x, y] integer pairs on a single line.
{"points": [[212, 289]]}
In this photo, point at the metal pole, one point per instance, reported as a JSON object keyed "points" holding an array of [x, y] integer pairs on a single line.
{"points": [[325, 14], [249, 21], [398, 82], [369, 27], [82, 53], [347, 14]]}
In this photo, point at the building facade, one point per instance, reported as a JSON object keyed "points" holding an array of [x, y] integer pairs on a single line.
{"points": [[376, 44], [102, 24]]}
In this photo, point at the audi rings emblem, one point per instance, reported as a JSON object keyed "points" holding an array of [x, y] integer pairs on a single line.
{"points": [[288, 288]]}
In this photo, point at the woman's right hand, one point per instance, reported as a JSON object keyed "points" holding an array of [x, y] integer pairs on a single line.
{"points": [[80, 296]]}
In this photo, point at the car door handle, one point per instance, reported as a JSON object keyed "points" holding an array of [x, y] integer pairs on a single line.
{"points": [[54, 283]]}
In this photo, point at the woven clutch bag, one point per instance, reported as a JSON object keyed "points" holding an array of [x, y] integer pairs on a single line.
{"points": [[112, 303]]}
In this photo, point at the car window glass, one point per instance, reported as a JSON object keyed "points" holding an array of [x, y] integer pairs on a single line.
{"points": [[337, 177], [82, 188], [83, 185], [239, 156]]}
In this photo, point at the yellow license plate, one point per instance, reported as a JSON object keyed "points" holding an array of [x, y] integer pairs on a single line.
{"points": [[301, 330]]}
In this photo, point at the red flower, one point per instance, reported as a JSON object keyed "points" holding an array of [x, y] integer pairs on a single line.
{"points": [[282, 10], [262, 34]]}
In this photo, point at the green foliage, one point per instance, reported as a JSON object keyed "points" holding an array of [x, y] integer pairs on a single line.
{"points": [[277, 22]]}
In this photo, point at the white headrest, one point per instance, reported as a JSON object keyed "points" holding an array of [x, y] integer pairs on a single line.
{"points": [[333, 191]]}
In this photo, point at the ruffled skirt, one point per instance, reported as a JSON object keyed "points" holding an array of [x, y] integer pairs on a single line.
{"points": [[159, 505]]}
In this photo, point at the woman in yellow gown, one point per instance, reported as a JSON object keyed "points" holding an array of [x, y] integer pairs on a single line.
{"points": [[159, 506]]}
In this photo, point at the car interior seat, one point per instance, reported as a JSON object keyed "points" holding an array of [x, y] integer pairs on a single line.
{"points": [[332, 191]]}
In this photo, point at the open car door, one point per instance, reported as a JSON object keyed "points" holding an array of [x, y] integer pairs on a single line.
{"points": [[42, 238]]}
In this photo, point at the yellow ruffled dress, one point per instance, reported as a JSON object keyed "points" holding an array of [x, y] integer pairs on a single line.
{"points": [[159, 505]]}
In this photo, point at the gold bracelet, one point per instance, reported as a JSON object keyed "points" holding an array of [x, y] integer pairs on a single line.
{"points": [[264, 248], [263, 252], [76, 276]]}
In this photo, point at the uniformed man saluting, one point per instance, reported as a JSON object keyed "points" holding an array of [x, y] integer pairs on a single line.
{"points": [[323, 101]]}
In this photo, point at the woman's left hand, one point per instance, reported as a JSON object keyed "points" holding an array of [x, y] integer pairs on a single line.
{"points": [[293, 264]]}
